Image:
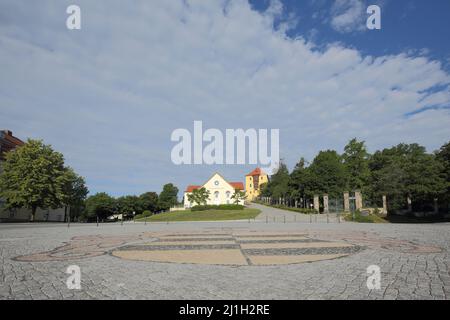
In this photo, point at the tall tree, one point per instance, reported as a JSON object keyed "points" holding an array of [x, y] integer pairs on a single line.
{"points": [[443, 156], [278, 186], [356, 162], [168, 196], [75, 192], [100, 205], [33, 177], [128, 205], [327, 174], [406, 170], [149, 201], [298, 180]]}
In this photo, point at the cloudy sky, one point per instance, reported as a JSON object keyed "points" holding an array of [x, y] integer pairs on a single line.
{"points": [[108, 96]]}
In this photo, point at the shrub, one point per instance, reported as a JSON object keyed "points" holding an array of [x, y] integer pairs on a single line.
{"points": [[144, 214], [371, 218]]}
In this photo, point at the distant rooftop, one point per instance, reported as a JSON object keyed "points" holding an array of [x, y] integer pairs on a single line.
{"points": [[8, 142]]}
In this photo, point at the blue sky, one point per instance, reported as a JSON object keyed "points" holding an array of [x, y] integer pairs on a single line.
{"points": [[108, 96]]}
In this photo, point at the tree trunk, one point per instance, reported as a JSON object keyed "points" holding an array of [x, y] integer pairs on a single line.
{"points": [[33, 212], [65, 213]]}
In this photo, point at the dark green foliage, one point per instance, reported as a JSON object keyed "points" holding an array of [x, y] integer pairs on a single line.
{"points": [[148, 201], [356, 162], [34, 176], [100, 205], [198, 196], [128, 205], [327, 174], [144, 214], [443, 157], [278, 186], [405, 170], [168, 197]]}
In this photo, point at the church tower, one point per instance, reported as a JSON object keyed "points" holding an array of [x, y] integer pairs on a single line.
{"points": [[253, 182]]}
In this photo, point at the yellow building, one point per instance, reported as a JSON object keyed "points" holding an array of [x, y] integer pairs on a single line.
{"points": [[253, 182]]}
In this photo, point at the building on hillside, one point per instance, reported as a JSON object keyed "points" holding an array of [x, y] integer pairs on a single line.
{"points": [[220, 191], [253, 182], [8, 142]]}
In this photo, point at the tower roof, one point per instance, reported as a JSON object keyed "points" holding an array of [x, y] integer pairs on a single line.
{"points": [[256, 172]]}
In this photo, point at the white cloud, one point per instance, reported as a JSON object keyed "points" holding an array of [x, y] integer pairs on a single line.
{"points": [[348, 15], [110, 95]]}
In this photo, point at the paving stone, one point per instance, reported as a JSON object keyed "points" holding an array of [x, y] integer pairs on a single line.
{"points": [[406, 271]]}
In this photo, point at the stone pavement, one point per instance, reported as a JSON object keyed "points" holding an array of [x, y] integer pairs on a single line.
{"points": [[413, 259]]}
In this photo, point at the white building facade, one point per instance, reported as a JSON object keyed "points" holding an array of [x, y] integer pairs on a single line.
{"points": [[220, 191]]}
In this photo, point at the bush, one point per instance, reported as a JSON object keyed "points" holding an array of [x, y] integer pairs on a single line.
{"points": [[144, 214], [371, 218], [218, 207]]}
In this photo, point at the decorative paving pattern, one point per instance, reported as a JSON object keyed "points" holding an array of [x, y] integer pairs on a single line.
{"points": [[373, 240], [83, 247], [237, 248]]}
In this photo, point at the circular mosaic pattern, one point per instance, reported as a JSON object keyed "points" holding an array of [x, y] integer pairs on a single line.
{"points": [[249, 248]]}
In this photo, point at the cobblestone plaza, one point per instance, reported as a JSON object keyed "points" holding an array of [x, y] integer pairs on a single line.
{"points": [[266, 258]]}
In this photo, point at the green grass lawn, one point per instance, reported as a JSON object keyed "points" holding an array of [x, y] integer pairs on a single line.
{"points": [[364, 219], [208, 215]]}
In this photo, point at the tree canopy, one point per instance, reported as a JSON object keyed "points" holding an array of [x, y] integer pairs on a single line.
{"points": [[402, 171], [168, 196], [199, 196], [34, 176]]}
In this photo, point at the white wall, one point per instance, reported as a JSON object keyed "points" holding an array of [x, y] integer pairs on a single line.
{"points": [[220, 192]]}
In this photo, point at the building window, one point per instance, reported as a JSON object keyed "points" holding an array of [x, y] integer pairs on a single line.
{"points": [[228, 194], [216, 182], [216, 194]]}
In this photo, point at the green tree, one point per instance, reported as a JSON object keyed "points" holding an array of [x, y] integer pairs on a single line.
{"points": [[100, 205], [326, 174], [356, 162], [199, 196], [149, 201], [406, 170], [127, 205], [75, 192], [298, 180], [278, 186], [443, 156], [168, 196], [33, 177], [238, 196]]}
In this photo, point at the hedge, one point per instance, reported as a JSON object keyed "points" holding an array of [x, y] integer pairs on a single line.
{"points": [[144, 214]]}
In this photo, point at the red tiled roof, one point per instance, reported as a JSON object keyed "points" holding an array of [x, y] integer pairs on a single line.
{"points": [[192, 188], [237, 185], [256, 172], [8, 142]]}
